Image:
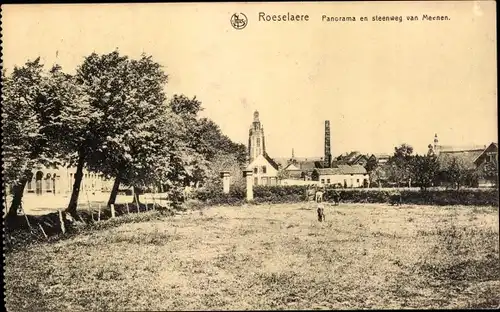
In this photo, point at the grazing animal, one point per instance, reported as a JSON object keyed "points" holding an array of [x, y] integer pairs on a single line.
{"points": [[395, 199], [336, 198]]}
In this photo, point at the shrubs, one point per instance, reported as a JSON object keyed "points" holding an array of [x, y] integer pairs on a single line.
{"points": [[215, 196], [296, 193], [279, 194]]}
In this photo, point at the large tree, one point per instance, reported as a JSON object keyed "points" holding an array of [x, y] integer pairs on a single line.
{"points": [[32, 104], [399, 165], [489, 171], [459, 173], [424, 170], [137, 147]]}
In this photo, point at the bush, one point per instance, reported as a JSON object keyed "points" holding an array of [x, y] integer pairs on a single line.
{"points": [[296, 193], [215, 196]]}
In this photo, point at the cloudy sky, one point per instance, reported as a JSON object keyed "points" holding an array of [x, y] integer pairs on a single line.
{"points": [[379, 83]]}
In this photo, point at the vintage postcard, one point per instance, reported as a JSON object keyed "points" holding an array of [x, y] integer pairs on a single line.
{"points": [[250, 156]]}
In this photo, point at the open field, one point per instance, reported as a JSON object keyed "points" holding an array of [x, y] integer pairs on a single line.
{"points": [[269, 257]]}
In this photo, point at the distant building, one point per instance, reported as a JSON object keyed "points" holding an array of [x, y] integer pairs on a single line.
{"points": [[352, 158], [265, 169], [59, 181], [474, 157], [380, 158], [343, 176]]}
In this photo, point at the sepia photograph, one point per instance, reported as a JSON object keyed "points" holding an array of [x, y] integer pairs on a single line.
{"points": [[250, 156]]}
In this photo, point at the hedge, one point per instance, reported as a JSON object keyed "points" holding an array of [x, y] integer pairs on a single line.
{"points": [[296, 193]]}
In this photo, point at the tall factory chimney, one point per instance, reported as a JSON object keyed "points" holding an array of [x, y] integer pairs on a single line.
{"points": [[328, 151]]}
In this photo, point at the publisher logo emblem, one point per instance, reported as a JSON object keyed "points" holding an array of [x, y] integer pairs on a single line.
{"points": [[239, 20]]}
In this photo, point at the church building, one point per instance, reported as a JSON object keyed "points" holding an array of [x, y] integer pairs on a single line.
{"points": [[265, 169]]}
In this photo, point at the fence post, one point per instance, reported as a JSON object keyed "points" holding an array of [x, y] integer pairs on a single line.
{"points": [[226, 180], [137, 202], [112, 210], [61, 220], [248, 175]]}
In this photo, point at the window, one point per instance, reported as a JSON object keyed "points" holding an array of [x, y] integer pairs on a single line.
{"points": [[357, 180], [258, 142], [264, 181], [264, 169], [255, 170], [255, 181], [327, 181], [322, 181]]}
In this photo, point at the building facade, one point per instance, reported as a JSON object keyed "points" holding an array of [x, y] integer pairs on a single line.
{"points": [[345, 176], [59, 181]]}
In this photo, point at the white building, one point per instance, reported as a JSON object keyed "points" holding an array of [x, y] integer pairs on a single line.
{"points": [[56, 181], [264, 171], [342, 175]]}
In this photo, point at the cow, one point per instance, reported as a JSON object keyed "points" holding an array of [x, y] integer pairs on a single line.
{"points": [[395, 199], [336, 198]]}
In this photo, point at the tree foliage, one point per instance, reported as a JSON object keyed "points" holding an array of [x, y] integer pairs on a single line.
{"points": [[34, 103], [424, 170], [113, 118], [399, 165]]}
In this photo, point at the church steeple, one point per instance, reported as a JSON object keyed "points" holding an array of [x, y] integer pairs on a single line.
{"points": [[256, 140], [436, 146]]}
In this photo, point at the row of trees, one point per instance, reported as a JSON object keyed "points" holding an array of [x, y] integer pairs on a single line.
{"points": [[112, 117], [406, 169]]}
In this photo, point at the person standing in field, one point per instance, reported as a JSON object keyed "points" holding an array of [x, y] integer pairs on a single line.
{"points": [[321, 209]]}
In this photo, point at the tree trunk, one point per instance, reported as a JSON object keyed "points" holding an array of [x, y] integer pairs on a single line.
{"points": [[114, 192], [136, 195], [73, 203], [17, 196]]}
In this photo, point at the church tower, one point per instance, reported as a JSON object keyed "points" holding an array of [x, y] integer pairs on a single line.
{"points": [[436, 146], [256, 142]]}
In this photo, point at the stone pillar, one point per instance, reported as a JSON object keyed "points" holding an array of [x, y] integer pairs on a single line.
{"points": [[248, 175], [226, 179]]}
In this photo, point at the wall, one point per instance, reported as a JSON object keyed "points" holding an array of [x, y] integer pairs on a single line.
{"points": [[297, 182]]}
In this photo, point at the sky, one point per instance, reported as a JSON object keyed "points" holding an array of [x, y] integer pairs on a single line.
{"points": [[379, 83]]}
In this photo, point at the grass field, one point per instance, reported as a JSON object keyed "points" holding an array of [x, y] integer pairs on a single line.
{"points": [[268, 257]]}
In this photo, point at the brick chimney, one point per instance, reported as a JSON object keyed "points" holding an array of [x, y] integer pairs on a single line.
{"points": [[328, 151]]}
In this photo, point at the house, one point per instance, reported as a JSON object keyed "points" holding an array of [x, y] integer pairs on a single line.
{"points": [[475, 158], [352, 158], [342, 175], [380, 158], [265, 170], [482, 160]]}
